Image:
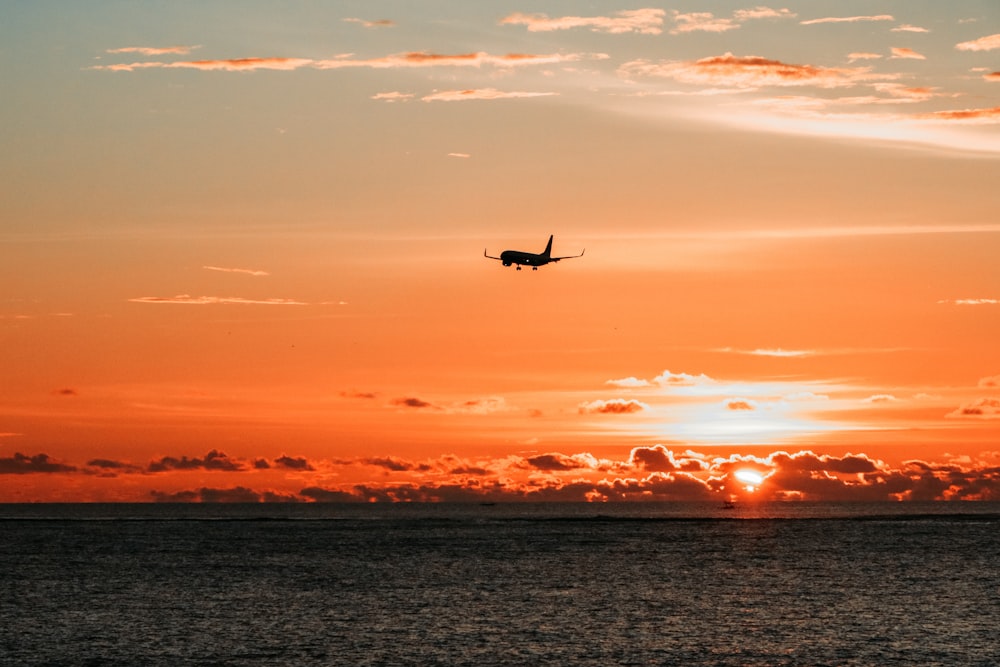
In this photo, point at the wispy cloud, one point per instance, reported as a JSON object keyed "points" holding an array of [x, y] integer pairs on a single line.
{"points": [[862, 55], [749, 72], [379, 23], [984, 408], [187, 299], [849, 19], [250, 272], [413, 59], [393, 96], [642, 21], [479, 94], [988, 43], [707, 22], [972, 302], [906, 27], [903, 52], [155, 51]]}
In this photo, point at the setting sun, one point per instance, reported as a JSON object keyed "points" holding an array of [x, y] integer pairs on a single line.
{"points": [[751, 478]]}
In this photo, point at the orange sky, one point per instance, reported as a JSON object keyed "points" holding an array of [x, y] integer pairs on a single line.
{"points": [[242, 251]]}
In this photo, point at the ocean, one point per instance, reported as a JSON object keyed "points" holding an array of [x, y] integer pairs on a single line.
{"points": [[506, 584]]}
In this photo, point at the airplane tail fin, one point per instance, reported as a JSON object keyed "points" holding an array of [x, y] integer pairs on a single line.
{"points": [[548, 248]]}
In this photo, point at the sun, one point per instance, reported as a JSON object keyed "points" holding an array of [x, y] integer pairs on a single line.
{"points": [[751, 478]]}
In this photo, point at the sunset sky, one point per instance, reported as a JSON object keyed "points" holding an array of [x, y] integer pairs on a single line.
{"points": [[242, 251]]}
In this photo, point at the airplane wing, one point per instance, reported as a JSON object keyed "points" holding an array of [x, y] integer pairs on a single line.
{"points": [[556, 259], [489, 256]]}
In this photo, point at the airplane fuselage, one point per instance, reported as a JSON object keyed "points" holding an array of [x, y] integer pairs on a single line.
{"points": [[508, 257]]}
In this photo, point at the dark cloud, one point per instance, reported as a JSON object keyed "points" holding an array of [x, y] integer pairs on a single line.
{"points": [[21, 464], [296, 463], [261, 464], [552, 462], [410, 402], [358, 394], [65, 392], [468, 470], [214, 460], [394, 464], [110, 467], [808, 461], [238, 494], [321, 495]]}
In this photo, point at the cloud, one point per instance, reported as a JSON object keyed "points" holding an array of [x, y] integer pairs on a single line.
{"points": [[629, 383], [989, 382], [214, 460], [412, 59], [359, 394], [225, 65], [380, 23], [187, 299], [66, 391], [701, 22], [763, 13], [321, 495], [114, 466], [987, 43], [459, 155], [881, 398], [660, 459], [553, 462], [905, 53], [747, 72], [771, 352], [479, 94], [411, 402], [479, 406], [992, 76], [984, 408], [649, 473], [21, 464], [861, 55], [971, 302], [155, 51], [708, 22], [966, 115], [250, 272], [668, 379], [293, 463], [741, 405], [238, 494], [641, 21], [394, 464], [616, 406], [906, 27], [391, 97], [848, 19]]}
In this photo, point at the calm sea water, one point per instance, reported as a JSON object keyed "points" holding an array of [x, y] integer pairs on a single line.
{"points": [[629, 584]]}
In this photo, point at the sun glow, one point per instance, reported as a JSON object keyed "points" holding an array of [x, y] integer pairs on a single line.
{"points": [[751, 478]]}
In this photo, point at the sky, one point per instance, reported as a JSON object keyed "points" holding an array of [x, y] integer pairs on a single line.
{"points": [[241, 251]]}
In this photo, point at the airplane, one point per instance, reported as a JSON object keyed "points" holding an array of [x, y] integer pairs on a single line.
{"points": [[531, 259]]}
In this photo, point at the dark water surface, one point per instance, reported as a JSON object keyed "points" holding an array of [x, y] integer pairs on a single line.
{"points": [[791, 584]]}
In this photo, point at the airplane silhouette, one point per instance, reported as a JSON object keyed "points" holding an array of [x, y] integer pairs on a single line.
{"points": [[531, 259]]}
